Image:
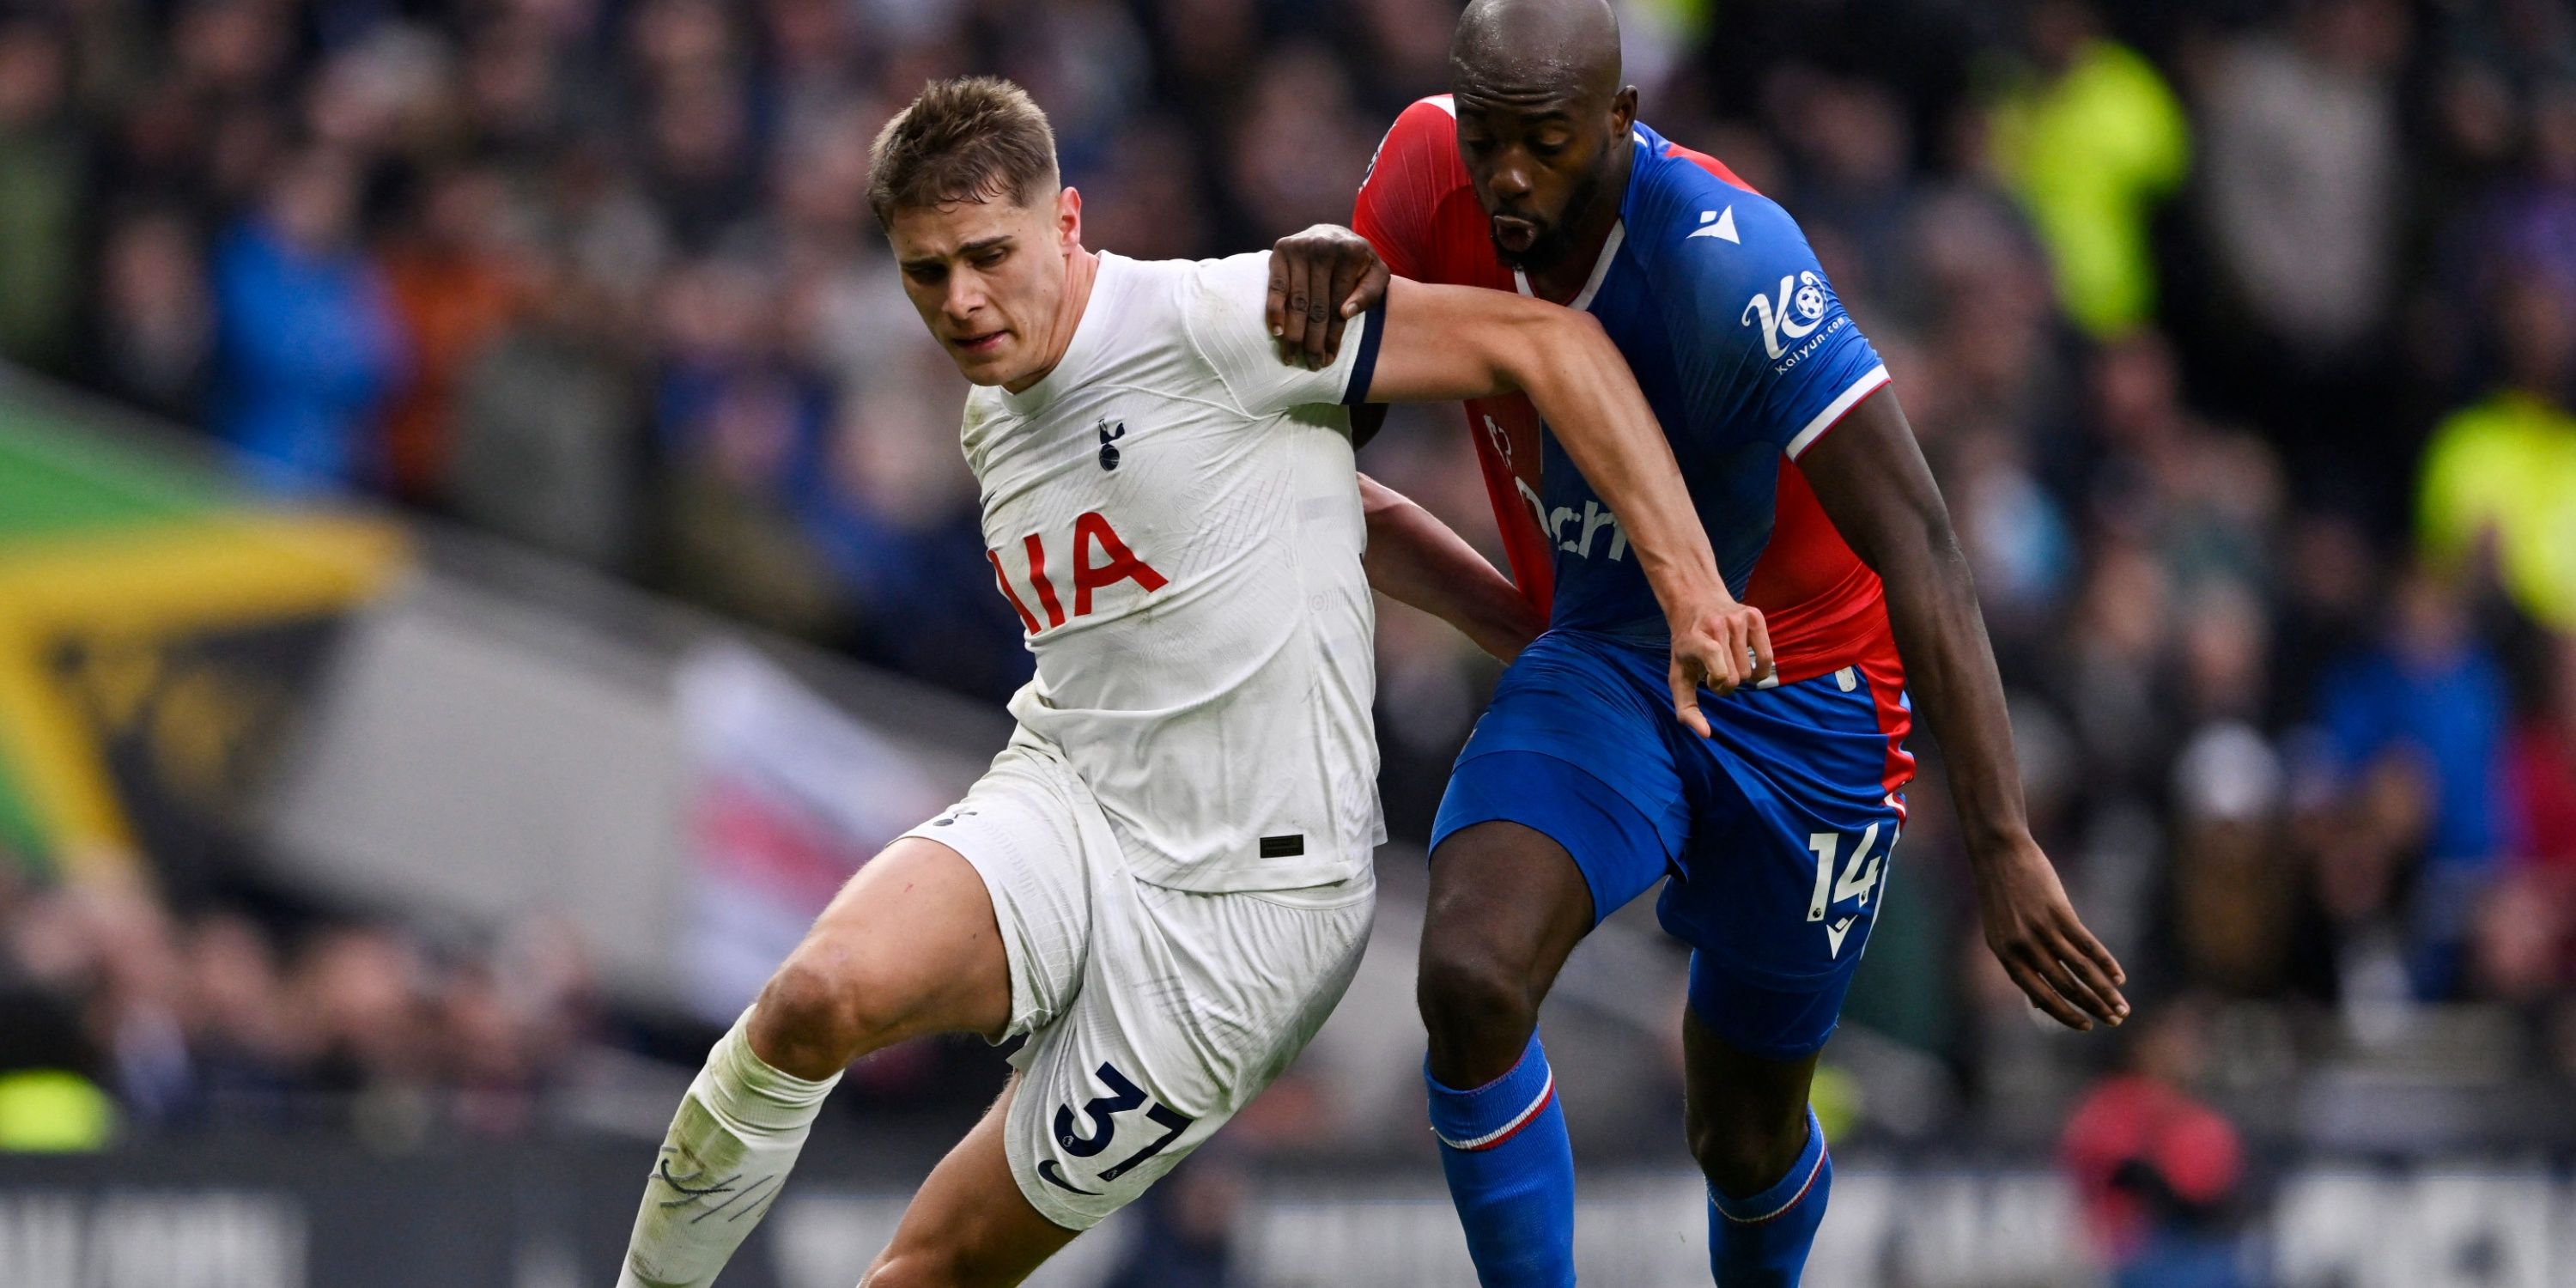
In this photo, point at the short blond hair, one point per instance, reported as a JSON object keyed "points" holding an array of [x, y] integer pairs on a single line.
{"points": [[968, 138]]}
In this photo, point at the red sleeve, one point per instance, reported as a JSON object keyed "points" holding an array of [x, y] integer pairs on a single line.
{"points": [[1401, 194], [1419, 209]]}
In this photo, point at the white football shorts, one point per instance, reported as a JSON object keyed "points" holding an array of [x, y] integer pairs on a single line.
{"points": [[1152, 1014]]}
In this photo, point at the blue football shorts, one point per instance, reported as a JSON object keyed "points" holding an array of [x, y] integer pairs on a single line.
{"points": [[1777, 831]]}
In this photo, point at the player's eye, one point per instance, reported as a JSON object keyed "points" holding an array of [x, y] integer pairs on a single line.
{"points": [[987, 259], [926, 274]]}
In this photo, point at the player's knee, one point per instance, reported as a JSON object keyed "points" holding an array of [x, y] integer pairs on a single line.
{"points": [[818, 1013], [1471, 995], [1745, 1152]]}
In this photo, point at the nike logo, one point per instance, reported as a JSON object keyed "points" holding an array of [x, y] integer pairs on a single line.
{"points": [[690, 1193], [1713, 224], [1834, 936], [1047, 1170]]}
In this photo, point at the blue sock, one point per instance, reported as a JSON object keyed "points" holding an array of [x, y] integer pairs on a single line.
{"points": [[1762, 1241], [1511, 1173]]}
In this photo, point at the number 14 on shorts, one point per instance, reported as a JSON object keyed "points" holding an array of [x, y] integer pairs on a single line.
{"points": [[1858, 877]]}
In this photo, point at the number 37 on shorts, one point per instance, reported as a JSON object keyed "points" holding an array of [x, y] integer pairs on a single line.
{"points": [[1090, 1134]]}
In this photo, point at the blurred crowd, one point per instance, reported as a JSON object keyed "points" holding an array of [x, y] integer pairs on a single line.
{"points": [[121, 1019], [2241, 333]]}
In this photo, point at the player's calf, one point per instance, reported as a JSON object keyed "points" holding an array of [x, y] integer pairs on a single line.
{"points": [[968, 1227], [1507, 905], [954, 1266], [1744, 1142], [910, 946], [1769, 1173], [738, 1131]]}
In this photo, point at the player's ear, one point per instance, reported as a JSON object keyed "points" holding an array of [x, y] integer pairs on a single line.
{"points": [[1068, 219], [1623, 111]]}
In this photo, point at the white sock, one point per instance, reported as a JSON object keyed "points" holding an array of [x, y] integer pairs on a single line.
{"points": [[737, 1133]]}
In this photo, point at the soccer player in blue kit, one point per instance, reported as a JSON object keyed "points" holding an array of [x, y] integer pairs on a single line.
{"points": [[1580, 789]]}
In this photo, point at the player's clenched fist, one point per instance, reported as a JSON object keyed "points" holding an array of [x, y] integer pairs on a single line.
{"points": [[1720, 645]]}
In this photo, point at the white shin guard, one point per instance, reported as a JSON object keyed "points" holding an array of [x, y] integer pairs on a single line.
{"points": [[727, 1155]]}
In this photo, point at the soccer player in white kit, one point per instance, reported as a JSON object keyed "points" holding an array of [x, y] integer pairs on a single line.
{"points": [[1164, 880]]}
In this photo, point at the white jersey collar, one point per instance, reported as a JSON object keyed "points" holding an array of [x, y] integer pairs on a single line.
{"points": [[1600, 269]]}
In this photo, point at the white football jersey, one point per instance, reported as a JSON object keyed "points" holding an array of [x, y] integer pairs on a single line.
{"points": [[1175, 515]]}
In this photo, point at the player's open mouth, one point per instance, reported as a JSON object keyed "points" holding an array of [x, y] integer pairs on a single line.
{"points": [[1514, 234], [978, 344]]}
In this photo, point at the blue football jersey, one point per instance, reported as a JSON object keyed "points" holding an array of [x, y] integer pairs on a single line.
{"points": [[1744, 352]]}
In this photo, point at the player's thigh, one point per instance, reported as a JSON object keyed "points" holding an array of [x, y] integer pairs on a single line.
{"points": [[1564, 806], [968, 1227], [977, 920], [909, 946], [1506, 898]]}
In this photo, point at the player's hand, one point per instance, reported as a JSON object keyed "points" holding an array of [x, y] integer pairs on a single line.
{"points": [[1719, 645], [2035, 933], [1319, 280]]}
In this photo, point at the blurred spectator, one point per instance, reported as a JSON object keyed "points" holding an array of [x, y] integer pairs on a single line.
{"points": [[2158, 1171], [547, 428], [50, 1097], [2091, 140], [454, 285], [1186, 1233], [242, 1036], [43, 171], [2424, 709], [2302, 171], [1299, 145], [103, 989], [1149, 200], [2525, 932], [2498, 483], [2233, 897], [893, 513], [742, 429], [1855, 156], [307, 340], [2542, 777], [155, 326]]}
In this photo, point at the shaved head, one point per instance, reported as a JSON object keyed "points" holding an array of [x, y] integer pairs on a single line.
{"points": [[1542, 123], [1564, 49]]}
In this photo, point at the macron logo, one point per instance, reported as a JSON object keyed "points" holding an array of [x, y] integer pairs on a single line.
{"points": [[1717, 224], [1834, 936]]}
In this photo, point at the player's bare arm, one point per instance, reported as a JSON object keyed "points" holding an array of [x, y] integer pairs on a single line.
{"points": [[1451, 342], [1416, 560], [1870, 476], [1321, 278]]}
